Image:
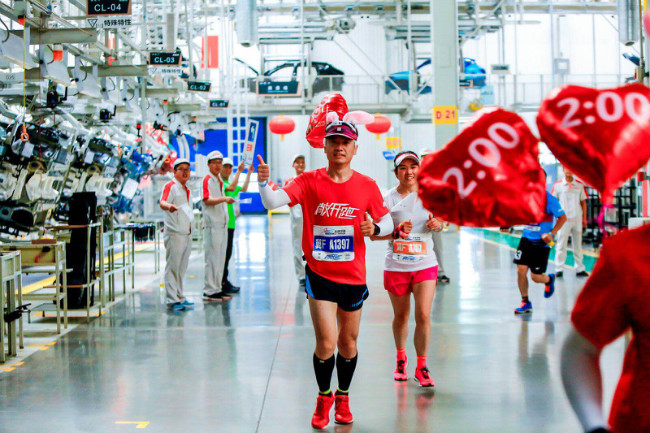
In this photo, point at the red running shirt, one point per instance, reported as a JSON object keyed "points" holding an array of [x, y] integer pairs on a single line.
{"points": [[332, 213], [616, 298]]}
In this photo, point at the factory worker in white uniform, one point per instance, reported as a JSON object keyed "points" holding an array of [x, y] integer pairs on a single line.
{"points": [[572, 196], [298, 165], [176, 202], [215, 215]]}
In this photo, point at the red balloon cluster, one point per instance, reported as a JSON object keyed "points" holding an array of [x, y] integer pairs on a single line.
{"points": [[317, 122], [282, 125], [488, 176], [603, 136], [380, 125]]}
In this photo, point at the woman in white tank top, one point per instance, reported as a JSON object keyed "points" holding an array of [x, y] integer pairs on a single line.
{"points": [[411, 265]]}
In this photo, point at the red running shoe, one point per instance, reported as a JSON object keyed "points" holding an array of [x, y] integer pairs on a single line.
{"points": [[321, 416], [400, 370], [342, 413], [422, 375]]}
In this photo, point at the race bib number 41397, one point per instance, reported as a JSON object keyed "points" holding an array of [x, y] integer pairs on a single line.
{"points": [[333, 243]]}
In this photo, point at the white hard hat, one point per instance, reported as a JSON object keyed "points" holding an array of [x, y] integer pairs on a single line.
{"points": [[228, 161], [215, 154], [296, 156], [180, 161]]}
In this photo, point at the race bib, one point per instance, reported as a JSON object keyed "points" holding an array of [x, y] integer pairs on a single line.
{"points": [[533, 228], [333, 243], [409, 250]]}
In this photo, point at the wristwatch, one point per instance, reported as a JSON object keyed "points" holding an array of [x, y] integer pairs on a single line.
{"points": [[376, 232]]}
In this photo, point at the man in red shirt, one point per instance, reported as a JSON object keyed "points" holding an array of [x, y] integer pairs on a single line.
{"points": [[616, 298], [337, 204]]}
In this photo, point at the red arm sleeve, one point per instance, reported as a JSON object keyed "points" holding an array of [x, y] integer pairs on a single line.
{"points": [[600, 312], [166, 190], [376, 204]]}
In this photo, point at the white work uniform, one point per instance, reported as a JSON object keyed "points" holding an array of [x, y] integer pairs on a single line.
{"points": [[416, 252], [177, 238], [296, 237], [216, 234], [570, 196]]}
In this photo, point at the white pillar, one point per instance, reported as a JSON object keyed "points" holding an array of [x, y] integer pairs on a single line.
{"points": [[444, 40]]}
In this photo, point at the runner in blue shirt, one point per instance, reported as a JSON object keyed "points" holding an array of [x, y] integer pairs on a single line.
{"points": [[533, 250]]}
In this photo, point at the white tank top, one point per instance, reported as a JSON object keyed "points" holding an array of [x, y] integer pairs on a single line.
{"points": [[416, 252]]}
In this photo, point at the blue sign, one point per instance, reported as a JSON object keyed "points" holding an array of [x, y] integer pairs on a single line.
{"points": [[389, 154]]}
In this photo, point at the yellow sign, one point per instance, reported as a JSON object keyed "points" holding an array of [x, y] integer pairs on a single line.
{"points": [[445, 115], [393, 143], [138, 424]]}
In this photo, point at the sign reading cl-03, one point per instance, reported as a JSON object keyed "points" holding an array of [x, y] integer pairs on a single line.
{"points": [[199, 86], [108, 7], [165, 58]]}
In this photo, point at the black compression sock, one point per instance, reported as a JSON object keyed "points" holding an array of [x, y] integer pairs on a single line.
{"points": [[323, 370], [345, 371], [525, 299]]}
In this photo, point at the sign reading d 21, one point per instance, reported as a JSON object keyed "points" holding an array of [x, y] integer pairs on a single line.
{"points": [[445, 115], [108, 7], [393, 143], [199, 86], [251, 137]]}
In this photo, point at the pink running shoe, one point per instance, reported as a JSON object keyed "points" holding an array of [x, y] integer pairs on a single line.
{"points": [[400, 370], [321, 416], [422, 375], [342, 414]]}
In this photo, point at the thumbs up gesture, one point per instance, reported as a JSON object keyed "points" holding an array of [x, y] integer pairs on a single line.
{"points": [[434, 224], [367, 226], [407, 226], [263, 171]]}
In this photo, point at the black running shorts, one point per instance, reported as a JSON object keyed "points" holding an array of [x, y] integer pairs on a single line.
{"points": [[349, 297], [533, 254]]}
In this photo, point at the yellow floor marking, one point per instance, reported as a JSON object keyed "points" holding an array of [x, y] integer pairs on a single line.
{"points": [[38, 285], [138, 424], [50, 280], [6, 368], [41, 346]]}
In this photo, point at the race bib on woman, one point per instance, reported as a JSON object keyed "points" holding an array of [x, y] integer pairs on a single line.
{"points": [[333, 243], [410, 250]]}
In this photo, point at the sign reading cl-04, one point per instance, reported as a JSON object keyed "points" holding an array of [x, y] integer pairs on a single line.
{"points": [[166, 59], [108, 7], [199, 86]]}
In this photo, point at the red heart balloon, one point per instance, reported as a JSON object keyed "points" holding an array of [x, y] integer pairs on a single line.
{"points": [[603, 136], [487, 176], [316, 127]]}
